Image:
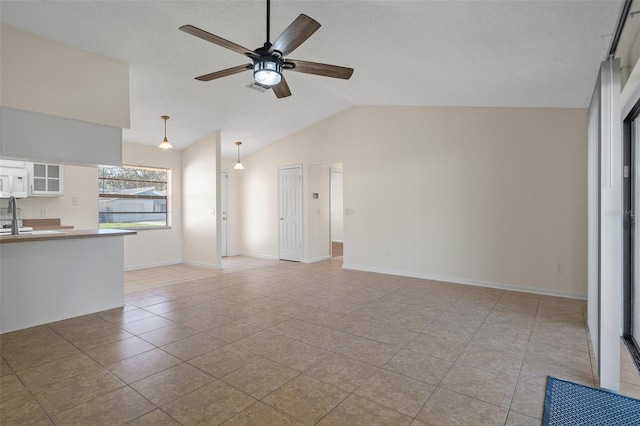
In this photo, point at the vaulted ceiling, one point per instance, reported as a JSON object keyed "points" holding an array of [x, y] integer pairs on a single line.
{"points": [[514, 53]]}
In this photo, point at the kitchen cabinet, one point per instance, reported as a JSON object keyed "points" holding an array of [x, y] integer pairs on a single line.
{"points": [[45, 180]]}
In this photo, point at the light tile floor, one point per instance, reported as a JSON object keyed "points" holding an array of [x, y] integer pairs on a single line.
{"points": [[264, 342]]}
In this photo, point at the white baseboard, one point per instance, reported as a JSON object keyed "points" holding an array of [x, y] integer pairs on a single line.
{"points": [[316, 259], [455, 280], [260, 256], [203, 264], [152, 265]]}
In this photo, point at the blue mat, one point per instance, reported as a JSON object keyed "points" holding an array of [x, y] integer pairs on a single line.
{"points": [[568, 403]]}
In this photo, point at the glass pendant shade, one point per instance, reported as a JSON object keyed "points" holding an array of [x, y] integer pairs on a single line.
{"points": [[165, 143], [267, 72], [238, 165]]}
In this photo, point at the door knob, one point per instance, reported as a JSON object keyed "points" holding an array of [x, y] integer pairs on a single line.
{"points": [[282, 218]]}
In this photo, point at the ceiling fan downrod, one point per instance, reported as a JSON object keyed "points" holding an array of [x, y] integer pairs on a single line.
{"points": [[268, 21]]}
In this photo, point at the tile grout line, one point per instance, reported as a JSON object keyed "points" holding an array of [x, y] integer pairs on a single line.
{"points": [[363, 305], [523, 358]]}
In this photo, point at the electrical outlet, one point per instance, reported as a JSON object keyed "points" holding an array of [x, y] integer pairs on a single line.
{"points": [[561, 268], [43, 213]]}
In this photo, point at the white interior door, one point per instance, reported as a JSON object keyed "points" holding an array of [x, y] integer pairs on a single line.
{"points": [[290, 210], [224, 184]]}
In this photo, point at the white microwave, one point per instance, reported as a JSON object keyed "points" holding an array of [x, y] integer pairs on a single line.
{"points": [[13, 181]]}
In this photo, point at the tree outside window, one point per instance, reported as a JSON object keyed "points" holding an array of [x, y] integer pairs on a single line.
{"points": [[133, 197]]}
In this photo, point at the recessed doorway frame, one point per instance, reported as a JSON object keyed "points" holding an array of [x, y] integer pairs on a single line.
{"points": [[332, 200], [631, 281], [224, 209]]}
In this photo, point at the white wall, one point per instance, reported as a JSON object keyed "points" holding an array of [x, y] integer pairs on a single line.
{"points": [[155, 247], [316, 234], [81, 99], [45, 76], [199, 175], [491, 196], [81, 182], [259, 201]]}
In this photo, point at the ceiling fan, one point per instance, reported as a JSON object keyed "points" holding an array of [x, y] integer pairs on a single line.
{"points": [[269, 60]]}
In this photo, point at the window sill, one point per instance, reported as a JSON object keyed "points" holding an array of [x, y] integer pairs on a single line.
{"points": [[149, 228]]}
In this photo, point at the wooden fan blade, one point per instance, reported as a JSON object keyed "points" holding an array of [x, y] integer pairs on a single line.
{"points": [[282, 89], [321, 69], [295, 34], [224, 73], [195, 31]]}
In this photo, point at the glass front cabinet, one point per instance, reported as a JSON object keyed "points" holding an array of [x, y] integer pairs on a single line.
{"points": [[45, 179]]}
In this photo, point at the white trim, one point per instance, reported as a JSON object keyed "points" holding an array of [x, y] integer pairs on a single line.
{"points": [[337, 241], [203, 264], [631, 91], [593, 220], [218, 205], [316, 259], [611, 224], [152, 265], [259, 255], [466, 281]]}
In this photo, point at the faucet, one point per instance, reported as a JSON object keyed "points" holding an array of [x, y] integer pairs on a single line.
{"points": [[14, 219]]}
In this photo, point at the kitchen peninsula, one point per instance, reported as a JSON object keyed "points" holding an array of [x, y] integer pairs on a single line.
{"points": [[55, 275]]}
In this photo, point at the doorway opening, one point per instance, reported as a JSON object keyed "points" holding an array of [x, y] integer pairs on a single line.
{"points": [[224, 231], [337, 212]]}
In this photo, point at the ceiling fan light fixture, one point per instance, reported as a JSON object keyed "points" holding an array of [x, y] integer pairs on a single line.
{"points": [[165, 143], [238, 165], [268, 72]]}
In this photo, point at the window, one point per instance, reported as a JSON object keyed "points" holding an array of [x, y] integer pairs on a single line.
{"points": [[133, 197]]}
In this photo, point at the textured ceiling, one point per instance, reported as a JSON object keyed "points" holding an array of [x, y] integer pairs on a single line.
{"points": [[443, 53]]}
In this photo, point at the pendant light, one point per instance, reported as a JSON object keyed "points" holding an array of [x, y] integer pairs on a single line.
{"points": [[165, 143], [238, 165]]}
